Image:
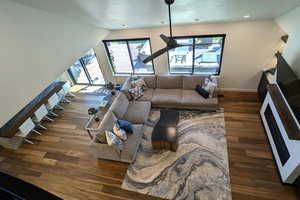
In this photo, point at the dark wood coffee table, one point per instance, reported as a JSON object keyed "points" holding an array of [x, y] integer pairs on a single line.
{"points": [[164, 135]]}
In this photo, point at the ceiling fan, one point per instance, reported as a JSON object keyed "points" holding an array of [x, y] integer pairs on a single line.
{"points": [[170, 41]]}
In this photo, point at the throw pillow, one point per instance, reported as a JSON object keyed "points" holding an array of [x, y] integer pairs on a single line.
{"points": [[125, 125], [139, 83], [136, 92], [209, 86], [114, 141], [202, 92], [119, 132]]}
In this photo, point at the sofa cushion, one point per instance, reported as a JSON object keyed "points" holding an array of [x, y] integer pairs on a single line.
{"points": [[106, 124], [147, 96], [132, 143], [150, 81], [125, 87], [190, 98], [119, 106], [167, 97], [137, 112], [169, 82], [190, 82]]}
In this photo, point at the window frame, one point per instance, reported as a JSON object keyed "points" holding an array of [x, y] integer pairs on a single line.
{"points": [[193, 62], [130, 55], [88, 76]]}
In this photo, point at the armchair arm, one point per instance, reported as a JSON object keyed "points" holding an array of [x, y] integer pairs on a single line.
{"points": [[215, 79], [104, 151], [125, 87]]}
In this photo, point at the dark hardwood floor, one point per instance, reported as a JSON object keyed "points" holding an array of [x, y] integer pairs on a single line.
{"points": [[60, 161]]}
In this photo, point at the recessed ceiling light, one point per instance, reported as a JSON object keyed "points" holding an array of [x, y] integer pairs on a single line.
{"points": [[247, 16], [196, 20]]}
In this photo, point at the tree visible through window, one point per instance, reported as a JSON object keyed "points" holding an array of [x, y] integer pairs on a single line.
{"points": [[126, 56], [203, 58]]}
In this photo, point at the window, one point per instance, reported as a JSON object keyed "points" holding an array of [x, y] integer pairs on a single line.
{"points": [[203, 58], [126, 56], [86, 70], [78, 74]]}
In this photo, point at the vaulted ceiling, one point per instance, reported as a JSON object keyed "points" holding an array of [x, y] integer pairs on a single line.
{"points": [[112, 14]]}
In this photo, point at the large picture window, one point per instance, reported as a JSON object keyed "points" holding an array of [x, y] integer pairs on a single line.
{"points": [[126, 56], [86, 70], [203, 58]]}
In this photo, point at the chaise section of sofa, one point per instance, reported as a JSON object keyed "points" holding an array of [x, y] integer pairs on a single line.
{"points": [[174, 92], [135, 112]]}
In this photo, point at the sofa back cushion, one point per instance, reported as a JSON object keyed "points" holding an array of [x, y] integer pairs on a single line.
{"points": [[125, 87], [190, 82], [150, 81], [169, 82], [106, 125], [120, 105]]}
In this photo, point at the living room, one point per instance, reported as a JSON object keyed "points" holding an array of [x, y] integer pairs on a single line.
{"points": [[176, 100]]}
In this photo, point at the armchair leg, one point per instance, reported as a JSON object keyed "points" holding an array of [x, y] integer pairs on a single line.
{"points": [[65, 100], [59, 107], [52, 114], [28, 141], [37, 132], [49, 119], [70, 94], [41, 126]]}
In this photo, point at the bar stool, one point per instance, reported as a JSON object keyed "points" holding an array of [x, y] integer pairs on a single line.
{"points": [[25, 129], [66, 88], [40, 115], [53, 103], [62, 96]]}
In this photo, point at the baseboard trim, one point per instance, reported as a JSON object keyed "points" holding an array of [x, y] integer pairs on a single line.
{"points": [[237, 90]]}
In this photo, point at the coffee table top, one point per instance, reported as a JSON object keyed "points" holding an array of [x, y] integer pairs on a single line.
{"points": [[165, 129]]}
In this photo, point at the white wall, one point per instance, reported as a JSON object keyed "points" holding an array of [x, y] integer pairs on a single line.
{"points": [[249, 48], [36, 47], [290, 22]]}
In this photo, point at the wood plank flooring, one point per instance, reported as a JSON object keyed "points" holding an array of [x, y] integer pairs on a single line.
{"points": [[60, 161]]}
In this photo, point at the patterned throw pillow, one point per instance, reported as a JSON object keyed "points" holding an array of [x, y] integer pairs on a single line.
{"points": [[209, 86], [139, 83], [119, 132], [113, 140], [136, 92]]}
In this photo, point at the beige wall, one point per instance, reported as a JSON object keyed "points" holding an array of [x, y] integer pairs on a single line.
{"points": [[290, 23], [249, 48], [36, 47]]}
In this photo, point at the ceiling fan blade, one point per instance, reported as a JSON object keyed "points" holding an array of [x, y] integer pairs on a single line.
{"points": [[156, 54], [165, 38]]}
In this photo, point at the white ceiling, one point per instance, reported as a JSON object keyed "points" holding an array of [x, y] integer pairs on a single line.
{"points": [[112, 14]]}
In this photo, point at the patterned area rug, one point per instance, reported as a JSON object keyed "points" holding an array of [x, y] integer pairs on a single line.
{"points": [[198, 170]]}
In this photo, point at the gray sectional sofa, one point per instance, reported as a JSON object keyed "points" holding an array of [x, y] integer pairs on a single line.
{"points": [[174, 92], [162, 92]]}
